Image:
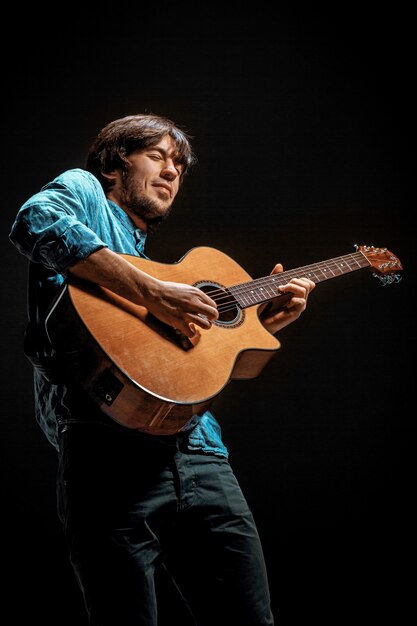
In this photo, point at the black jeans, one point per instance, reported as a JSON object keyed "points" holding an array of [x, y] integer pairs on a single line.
{"points": [[131, 504]]}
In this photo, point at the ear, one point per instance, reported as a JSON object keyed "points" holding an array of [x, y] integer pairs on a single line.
{"points": [[112, 176]]}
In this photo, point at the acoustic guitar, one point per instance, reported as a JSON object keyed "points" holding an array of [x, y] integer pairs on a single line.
{"points": [[147, 376]]}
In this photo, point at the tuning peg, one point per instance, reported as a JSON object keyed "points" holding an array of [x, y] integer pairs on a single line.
{"points": [[388, 279]]}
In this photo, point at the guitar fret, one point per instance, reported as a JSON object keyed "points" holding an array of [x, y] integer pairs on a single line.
{"points": [[265, 288]]}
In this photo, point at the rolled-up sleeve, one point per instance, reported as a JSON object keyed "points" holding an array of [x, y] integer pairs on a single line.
{"points": [[52, 227]]}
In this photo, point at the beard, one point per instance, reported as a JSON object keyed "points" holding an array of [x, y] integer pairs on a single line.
{"points": [[152, 212]]}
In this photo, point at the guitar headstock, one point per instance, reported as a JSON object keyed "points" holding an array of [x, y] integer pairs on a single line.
{"points": [[384, 263]]}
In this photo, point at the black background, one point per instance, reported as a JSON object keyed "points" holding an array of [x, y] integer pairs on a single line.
{"points": [[303, 129]]}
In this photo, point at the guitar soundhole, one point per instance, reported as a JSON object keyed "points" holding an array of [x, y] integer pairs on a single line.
{"points": [[230, 314]]}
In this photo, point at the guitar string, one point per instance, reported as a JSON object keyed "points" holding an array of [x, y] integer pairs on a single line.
{"points": [[283, 277], [219, 295], [224, 302]]}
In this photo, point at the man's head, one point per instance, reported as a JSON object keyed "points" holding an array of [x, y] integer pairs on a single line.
{"points": [[140, 161]]}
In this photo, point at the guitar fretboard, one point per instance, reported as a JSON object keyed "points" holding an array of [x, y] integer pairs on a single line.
{"points": [[264, 289]]}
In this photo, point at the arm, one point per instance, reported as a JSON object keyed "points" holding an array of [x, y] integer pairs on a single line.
{"points": [[300, 288], [53, 229], [176, 304]]}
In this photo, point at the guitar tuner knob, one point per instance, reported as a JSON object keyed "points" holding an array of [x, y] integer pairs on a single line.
{"points": [[388, 279]]}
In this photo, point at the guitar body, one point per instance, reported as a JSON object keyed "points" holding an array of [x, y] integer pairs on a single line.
{"points": [[140, 371]]}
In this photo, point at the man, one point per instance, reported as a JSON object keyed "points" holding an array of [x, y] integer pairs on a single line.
{"points": [[131, 502]]}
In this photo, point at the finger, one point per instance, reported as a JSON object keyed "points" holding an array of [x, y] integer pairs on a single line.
{"points": [[278, 269], [305, 282], [296, 291], [205, 298], [201, 320], [209, 312], [186, 329], [298, 285]]}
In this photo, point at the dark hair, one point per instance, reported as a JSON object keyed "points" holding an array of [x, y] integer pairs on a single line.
{"points": [[116, 141]]}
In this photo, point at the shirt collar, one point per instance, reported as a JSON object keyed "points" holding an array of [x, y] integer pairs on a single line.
{"points": [[123, 217]]}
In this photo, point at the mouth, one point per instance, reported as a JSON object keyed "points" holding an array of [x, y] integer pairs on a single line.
{"points": [[163, 187]]}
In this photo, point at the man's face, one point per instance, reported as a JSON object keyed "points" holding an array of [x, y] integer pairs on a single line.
{"points": [[147, 190]]}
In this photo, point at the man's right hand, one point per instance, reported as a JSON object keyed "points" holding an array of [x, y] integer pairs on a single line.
{"points": [[177, 304], [180, 305]]}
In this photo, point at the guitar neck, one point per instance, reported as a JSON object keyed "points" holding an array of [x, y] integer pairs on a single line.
{"points": [[264, 289]]}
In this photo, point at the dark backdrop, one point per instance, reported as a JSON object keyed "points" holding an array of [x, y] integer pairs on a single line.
{"points": [[302, 127]]}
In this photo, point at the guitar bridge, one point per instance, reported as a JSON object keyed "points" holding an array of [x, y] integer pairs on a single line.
{"points": [[187, 342], [173, 334]]}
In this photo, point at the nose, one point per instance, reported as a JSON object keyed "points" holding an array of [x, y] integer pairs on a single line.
{"points": [[169, 171]]}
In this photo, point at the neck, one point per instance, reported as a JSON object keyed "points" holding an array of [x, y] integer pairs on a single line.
{"points": [[138, 221]]}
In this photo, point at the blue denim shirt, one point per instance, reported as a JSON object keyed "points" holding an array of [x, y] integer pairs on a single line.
{"points": [[62, 224]]}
